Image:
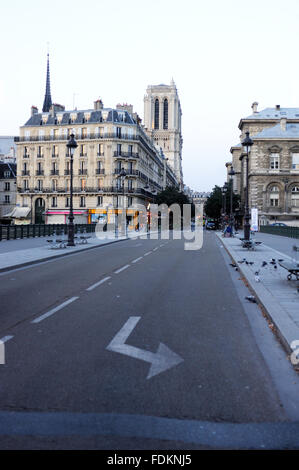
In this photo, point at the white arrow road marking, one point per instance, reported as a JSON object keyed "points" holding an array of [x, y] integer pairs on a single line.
{"points": [[160, 361]]}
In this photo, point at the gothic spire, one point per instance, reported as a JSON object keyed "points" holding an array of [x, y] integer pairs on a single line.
{"points": [[48, 100]]}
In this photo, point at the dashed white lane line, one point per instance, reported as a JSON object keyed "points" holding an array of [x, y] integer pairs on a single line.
{"points": [[98, 283], [121, 269], [148, 253], [161, 245], [137, 259], [155, 249], [54, 310]]}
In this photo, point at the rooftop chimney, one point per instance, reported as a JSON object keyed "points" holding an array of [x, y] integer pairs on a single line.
{"points": [[98, 104], [278, 107], [34, 110], [254, 107]]}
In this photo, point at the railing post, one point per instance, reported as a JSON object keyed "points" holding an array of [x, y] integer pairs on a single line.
{"points": [[22, 231], [33, 230], [0, 233]]}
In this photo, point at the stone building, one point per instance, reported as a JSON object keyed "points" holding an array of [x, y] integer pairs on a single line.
{"points": [[108, 140], [163, 123], [273, 164], [7, 178]]}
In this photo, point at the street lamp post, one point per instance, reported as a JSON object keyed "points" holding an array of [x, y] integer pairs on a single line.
{"points": [[122, 175], [71, 145], [224, 191], [247, 143], [231, 222]]}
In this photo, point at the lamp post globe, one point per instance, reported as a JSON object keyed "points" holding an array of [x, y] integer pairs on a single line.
{"points": [[247, 144], [71, 146]]}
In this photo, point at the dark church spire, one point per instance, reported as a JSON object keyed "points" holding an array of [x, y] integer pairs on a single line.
{"points": [[48, 100]]}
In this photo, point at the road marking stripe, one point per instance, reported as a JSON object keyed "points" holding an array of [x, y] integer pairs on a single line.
{"points": [[162, 245], [148, 253], [121, 269], [54, 310], [98, 283], [137, 259], [5, 339], [155, 249]]}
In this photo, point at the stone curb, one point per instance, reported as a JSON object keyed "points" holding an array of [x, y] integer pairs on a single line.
{"points": [[287, 330]]}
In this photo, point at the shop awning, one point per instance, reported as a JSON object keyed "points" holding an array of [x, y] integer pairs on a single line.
{"points": [[18, 213]]}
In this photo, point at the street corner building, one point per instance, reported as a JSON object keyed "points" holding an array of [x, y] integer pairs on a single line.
{"points": [[273, 170], [111, 142]]}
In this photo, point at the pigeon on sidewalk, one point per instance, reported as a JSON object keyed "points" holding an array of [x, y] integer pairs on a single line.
{"points": [[251, 298]]}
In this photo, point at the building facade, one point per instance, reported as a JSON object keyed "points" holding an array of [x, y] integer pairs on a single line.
{"points": [[108, 140], [273, 164], [163, 123]]}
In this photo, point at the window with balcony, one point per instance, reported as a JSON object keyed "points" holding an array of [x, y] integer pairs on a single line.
{"points": [[83, 151], [100, 150], [55, 151], [130, 201], [39, 185], [83, 185], [26, 185], [295, 196], [54, 201], [40, 152], [54, 185], [26, 153], [295, 161], [118, 132], [67, 201], [118, 150], [100, 201], [82, 201], [130, 150]]}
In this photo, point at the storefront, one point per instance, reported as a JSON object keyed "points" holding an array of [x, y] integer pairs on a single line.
{"points": [[62, 217]]}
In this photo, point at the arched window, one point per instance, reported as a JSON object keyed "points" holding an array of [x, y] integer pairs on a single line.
{"points": [[295, 196], [156, 113], [274, 196], [165, 114]]}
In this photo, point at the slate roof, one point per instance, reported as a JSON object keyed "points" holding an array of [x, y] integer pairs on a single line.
{"points": [[115, 116], [291, 132], [274, 113]]}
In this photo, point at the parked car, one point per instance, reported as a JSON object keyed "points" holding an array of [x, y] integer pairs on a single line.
{"points": [[278, 224], [211, 226]]}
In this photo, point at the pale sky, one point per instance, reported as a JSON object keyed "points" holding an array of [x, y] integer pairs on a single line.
{"points": [[222, 54]]}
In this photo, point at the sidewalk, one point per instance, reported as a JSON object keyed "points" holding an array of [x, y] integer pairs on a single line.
{"points": [[278, 296], [18, 253]]}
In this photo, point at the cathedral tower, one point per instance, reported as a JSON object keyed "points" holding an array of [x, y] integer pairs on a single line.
{"points": [[162, 122]]}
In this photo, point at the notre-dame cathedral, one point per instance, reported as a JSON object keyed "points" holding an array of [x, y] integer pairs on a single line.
{"points": [[162, 122]]}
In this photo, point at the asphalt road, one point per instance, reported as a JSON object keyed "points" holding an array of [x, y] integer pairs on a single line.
{"points": [[84, 366]]}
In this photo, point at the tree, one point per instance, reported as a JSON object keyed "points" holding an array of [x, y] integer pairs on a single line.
{"points": [[214, 204]]}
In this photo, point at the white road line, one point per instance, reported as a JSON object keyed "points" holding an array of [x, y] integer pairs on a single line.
{"points": [[137, 259], [161, 245], [54, 310], [121, 269], [5, 339], [155, 249], [148, 253], [98, 283]]}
